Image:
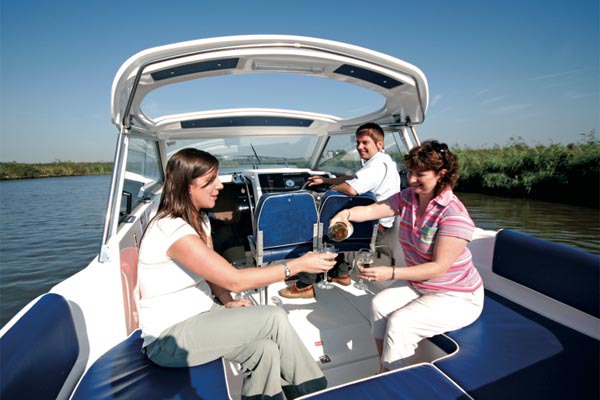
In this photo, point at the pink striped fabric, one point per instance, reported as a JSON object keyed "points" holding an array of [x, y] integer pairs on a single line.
{"points": [[445, 215]]}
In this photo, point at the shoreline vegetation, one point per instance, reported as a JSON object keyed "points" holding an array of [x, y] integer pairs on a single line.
{"points": [[559, 173], [14, 170]]}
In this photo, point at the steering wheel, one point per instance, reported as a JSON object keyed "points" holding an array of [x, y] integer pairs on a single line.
{"points": [[322, 188]]}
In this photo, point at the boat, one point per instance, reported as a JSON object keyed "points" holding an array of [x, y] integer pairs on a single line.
{"points": [[538, 336]]}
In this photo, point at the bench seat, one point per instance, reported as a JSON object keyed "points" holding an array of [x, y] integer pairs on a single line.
{"points": [[39, 354], [511, 352], [421, 382], [124, 372], [514, 352]]}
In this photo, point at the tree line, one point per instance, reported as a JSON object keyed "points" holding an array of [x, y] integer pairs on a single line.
{"points": [[15, 170], [563, 173]]}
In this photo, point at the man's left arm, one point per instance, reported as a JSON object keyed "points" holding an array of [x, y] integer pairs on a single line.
{"points": [[345, 188]]}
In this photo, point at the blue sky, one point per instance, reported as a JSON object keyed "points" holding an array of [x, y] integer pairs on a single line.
{"points": [[496, 69]]}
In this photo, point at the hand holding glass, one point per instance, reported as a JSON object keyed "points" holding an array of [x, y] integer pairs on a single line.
{"points": [[327, 248], [363, 259]]}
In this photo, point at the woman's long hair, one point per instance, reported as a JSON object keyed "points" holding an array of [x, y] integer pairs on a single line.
{"points": [[186, 165], [432, 155]]}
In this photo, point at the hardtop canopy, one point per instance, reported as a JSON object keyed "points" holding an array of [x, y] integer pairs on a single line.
{"points": [[403, 85]]}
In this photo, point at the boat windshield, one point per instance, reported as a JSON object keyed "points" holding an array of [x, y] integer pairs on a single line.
{"points": [[340, 156], [236, 154], [251, 152]]}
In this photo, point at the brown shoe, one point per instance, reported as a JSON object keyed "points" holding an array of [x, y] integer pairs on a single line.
{"points": [[293, 292], [342, 280]]}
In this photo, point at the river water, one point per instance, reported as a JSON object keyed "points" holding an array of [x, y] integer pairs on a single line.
{"points": [[51, 228]]}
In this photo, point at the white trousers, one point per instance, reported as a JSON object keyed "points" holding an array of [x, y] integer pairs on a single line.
{"points": [[402, 316]]}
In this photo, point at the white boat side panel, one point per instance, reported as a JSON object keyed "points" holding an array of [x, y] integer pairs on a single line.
{"points": [[97, 301]]}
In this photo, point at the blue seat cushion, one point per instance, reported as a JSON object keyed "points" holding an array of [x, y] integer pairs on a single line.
{"points": [[511, 352], [422, 382], [564, 273], [38, 353], [124, 372]]}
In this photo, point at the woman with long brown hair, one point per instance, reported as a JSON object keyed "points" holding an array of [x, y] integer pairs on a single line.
{"points": [[187, 314]]}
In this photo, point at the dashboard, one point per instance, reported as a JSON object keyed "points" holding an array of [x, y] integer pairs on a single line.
{"points": [[281, 182], [232, 216], [278, 180]]}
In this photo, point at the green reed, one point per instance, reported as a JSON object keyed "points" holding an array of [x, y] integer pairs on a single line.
{"points": [[14, 170], [565, 173]]}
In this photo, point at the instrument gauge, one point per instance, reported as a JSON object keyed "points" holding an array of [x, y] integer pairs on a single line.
{"points": [[289, 183]]}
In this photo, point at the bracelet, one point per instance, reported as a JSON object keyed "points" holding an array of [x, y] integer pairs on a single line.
{"points": [[286, 269], [348, 214], [393, 273]]}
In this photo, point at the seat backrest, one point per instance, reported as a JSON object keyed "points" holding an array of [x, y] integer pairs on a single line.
{"points": [[38, 353], [364, 234], [564, 273], [131, 293], [286, 219]]}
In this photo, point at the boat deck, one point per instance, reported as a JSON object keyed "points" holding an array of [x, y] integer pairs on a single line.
{"points": [[334, 326]]}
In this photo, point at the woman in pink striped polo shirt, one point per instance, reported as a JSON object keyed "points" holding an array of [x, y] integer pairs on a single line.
{"points": [[441, 290]]}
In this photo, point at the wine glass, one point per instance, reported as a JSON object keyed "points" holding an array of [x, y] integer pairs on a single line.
{"points": [[329, 249], [363, 259]]}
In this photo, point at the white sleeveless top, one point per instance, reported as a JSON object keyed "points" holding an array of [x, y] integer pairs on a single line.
{"points": [[169, 292]]}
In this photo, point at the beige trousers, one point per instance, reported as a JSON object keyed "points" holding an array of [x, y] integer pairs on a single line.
{"points": [[402, 316], [260, 338]]}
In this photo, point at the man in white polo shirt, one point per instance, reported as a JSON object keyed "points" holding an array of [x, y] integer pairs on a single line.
{"points": [[379, 175]]}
